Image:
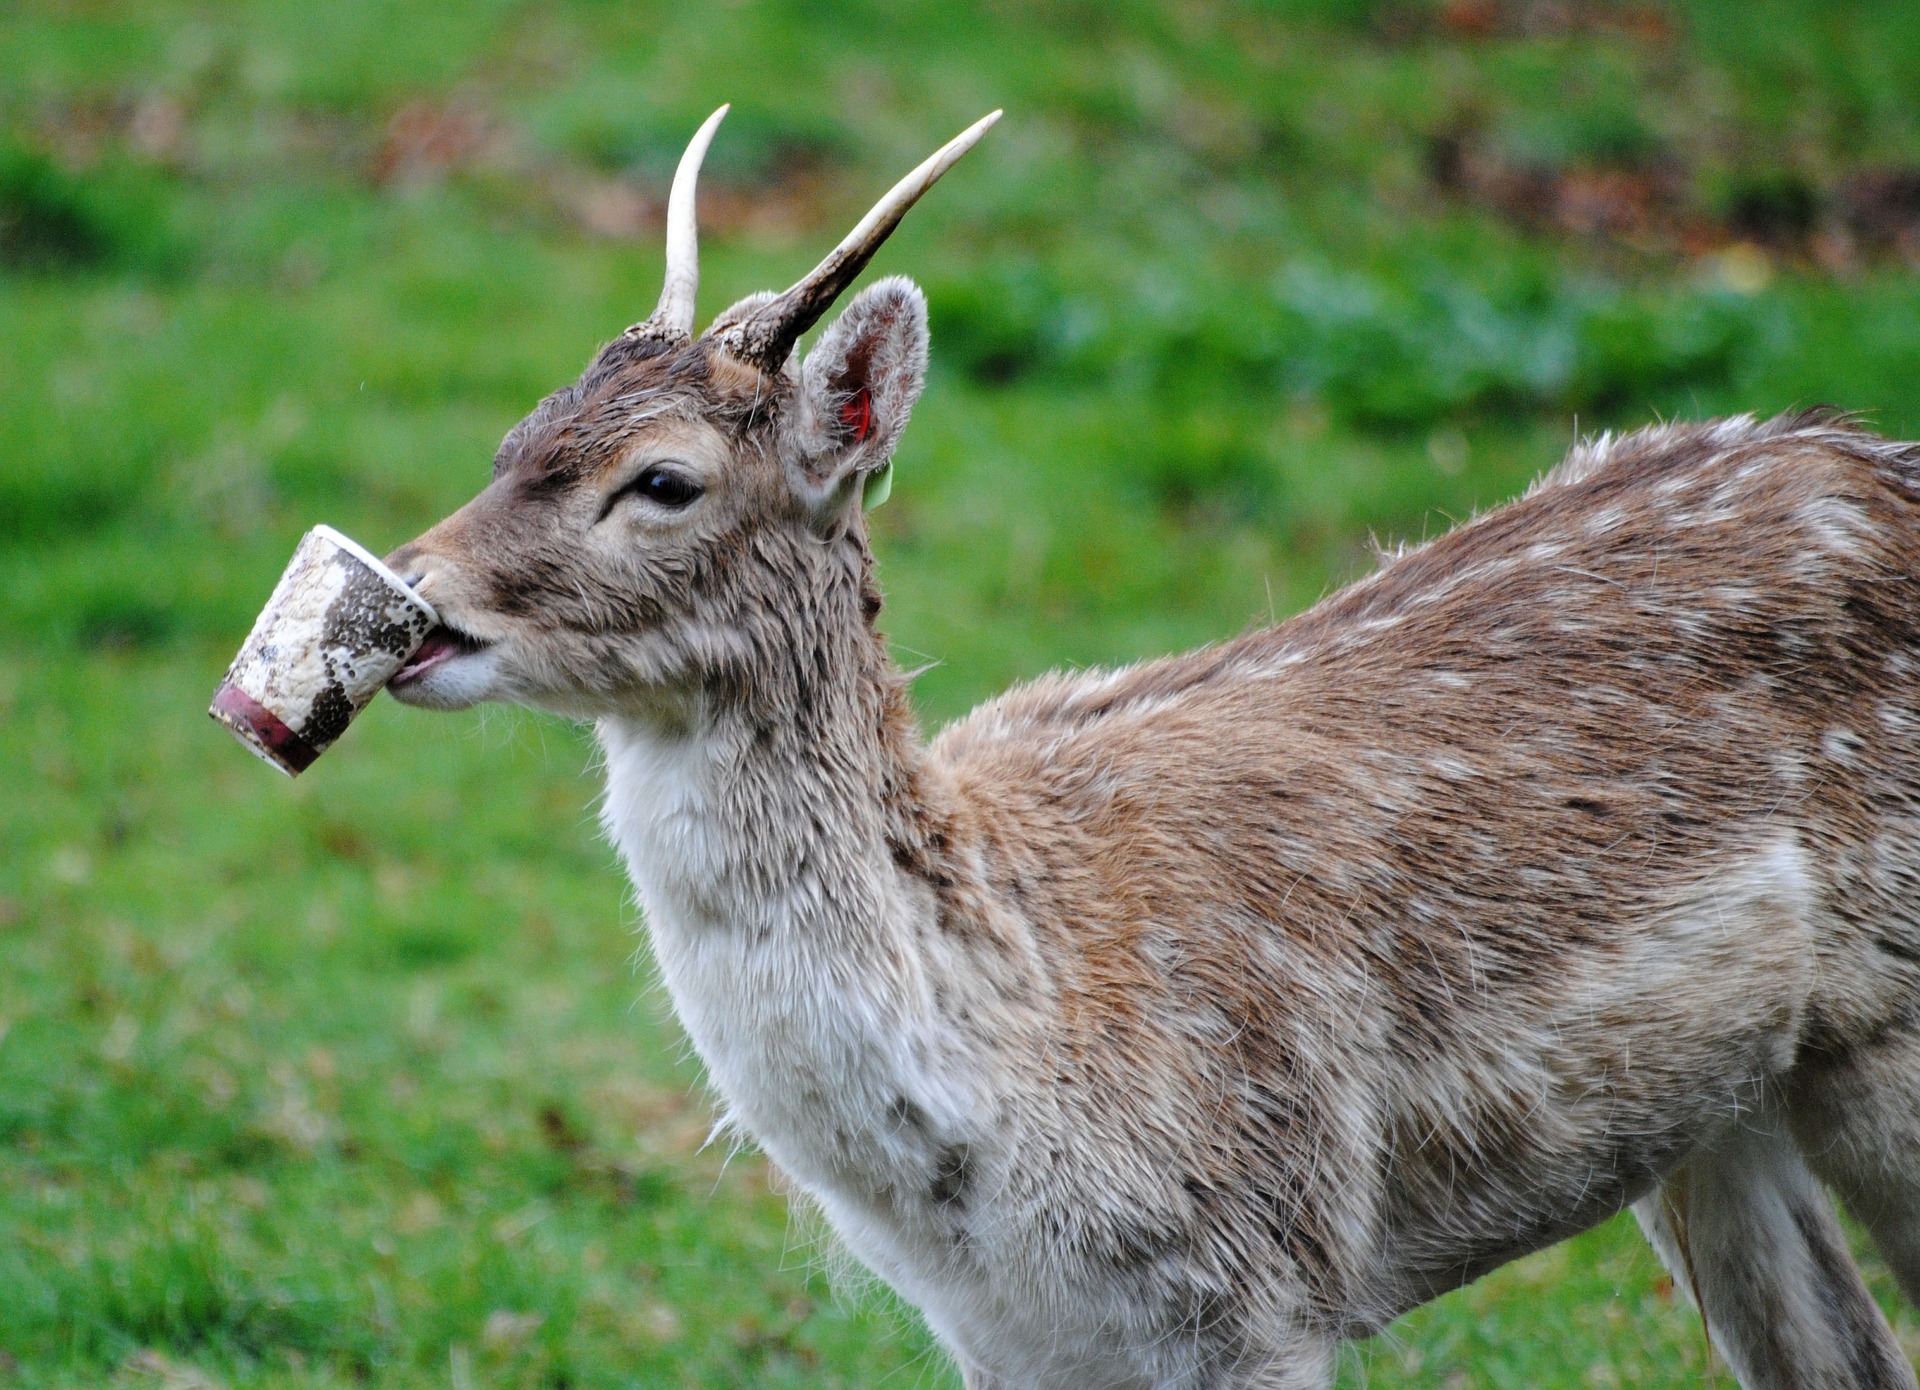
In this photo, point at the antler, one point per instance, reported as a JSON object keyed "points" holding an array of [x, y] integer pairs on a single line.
{"points": [[672, 320], [767, 334]]}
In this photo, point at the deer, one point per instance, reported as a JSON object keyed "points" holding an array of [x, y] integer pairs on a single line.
{"points": [[1172, 1025]]}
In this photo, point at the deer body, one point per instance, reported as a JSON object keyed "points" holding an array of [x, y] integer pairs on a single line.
{"points": [[1162, 1027], [1414, 951]]}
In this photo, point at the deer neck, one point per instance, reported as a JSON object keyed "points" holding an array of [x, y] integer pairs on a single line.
{"points": [[761, 833]]}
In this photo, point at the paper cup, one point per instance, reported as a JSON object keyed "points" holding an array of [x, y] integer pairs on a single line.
{"points": [[339, 624]]}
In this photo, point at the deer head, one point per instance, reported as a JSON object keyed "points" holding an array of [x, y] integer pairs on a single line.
{"points": [[686, 516]]}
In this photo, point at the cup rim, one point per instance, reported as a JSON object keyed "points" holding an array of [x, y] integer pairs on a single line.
{"points": [[378, 566]]}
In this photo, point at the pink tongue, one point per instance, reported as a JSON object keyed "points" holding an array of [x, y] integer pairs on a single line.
{"points": [[440, 645]]}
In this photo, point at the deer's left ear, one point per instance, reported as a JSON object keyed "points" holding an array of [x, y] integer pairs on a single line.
{"points": [[858, 386]]}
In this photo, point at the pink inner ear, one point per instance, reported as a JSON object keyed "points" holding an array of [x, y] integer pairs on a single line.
{"points": [[857, 415]]}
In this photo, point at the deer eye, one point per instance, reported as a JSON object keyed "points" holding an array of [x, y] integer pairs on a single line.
{"points": [[662, 486]]}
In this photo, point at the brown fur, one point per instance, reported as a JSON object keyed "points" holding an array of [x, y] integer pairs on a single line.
{"points": [[1443, 801]]}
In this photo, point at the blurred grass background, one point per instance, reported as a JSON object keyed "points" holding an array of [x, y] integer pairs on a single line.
{"points": [[344, 1081]]}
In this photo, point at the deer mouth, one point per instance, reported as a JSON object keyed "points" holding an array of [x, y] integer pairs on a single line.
{"points": [[443, 644]]}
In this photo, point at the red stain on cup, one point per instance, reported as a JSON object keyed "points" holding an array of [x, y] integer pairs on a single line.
{"points": [[236, 709]]}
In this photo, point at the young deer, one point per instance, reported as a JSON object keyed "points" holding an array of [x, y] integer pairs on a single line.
{"points": [[1164, 1026]]}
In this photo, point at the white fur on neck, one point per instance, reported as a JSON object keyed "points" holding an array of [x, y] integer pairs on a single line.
{"points": [[789, 954]]}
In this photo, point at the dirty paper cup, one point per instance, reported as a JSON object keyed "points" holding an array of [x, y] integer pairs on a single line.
{"points": [[339, 624]]}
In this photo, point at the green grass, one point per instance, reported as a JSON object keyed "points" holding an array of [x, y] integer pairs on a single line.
{"points": [[356, 1079]]}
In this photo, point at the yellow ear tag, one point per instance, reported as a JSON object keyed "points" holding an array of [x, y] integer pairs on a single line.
{"points": [[877, 487]]}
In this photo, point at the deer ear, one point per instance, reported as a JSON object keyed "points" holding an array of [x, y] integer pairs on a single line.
{"points": [[858, 386]]}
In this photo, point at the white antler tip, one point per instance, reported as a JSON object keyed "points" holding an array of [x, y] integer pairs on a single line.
{"points": [[965, 140], [768, 335], [674, 316]]}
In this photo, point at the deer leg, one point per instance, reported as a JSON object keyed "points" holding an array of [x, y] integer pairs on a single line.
{"points": [[1858, 1123], [1746, 1230]]}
